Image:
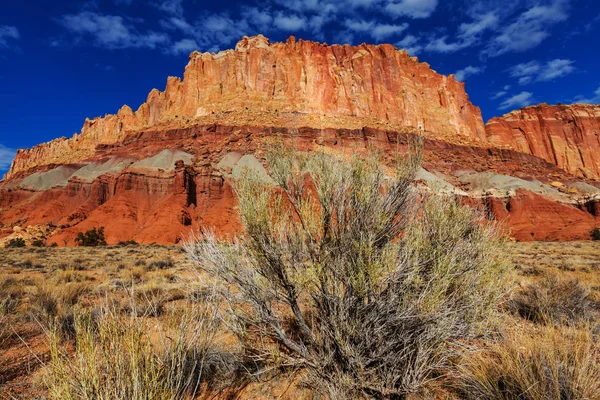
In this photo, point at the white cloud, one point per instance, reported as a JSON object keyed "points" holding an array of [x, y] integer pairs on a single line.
{"points": [[301, 5], [289, 23], [362, 3], [501, 93], [377, 31], [219, 30], [471, 31], [412, 8], [110, 31], [8, 33], [173, 7], [468, 35], [529, 29], [517, 101], [7, 155], [555, 69], [594, 99], [358, 26], [462, 74], [178, 24], [262, 19], [533, 71], [410, 43], [383, 31], [440, 45], [184, 46]]}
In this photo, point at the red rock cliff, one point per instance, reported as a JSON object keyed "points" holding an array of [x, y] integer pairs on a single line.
{"points": [[373, 83], [565, 135]]}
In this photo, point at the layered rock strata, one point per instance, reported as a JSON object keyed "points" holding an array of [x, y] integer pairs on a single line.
{"points": [[565, 135], [371, 83]]}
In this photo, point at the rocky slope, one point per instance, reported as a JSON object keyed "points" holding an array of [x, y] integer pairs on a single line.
{"points": [[565, 135], [370, 84], [155, 174]]}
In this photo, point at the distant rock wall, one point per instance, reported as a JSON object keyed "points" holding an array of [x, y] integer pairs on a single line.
{"points": [[565, 135], [375, 82]]}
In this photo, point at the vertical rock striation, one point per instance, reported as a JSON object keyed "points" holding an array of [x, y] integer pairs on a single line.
{"points": [[565, 135], [373, 82]]}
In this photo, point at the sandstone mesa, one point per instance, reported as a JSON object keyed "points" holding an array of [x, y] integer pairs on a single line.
{"points": [[159, 171]]}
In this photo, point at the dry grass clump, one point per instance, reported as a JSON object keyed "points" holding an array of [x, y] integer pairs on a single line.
{"points": [[53, 305], [545, 362], [344, 274], [555, 300], [126, 357]]}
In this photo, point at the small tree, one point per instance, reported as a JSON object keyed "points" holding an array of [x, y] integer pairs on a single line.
{"points": [[93, 237], [595, 233], [347, 274], [38, 243], [16, 242]]}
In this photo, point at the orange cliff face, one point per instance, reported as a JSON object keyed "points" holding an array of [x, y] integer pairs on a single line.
{"points": [[565, 135], [377, 84]]}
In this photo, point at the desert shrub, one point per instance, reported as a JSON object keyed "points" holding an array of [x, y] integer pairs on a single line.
{"points": [[595, 234], [16, 242], [92, 238], [140, 263], [38, 243], [126, 358], [547, 363], [4, 330], [11, 294], [124, 243], [52, 306], [164, 263], [554, 300], [344, 273], [148, 301]]}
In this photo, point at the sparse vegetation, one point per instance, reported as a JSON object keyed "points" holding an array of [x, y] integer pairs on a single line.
{"points": [[38, 243], [345, 274], [92, 238], [126, 358], [542, 342], [595, 234], [16, 242], [553, 300], [540, 364]]}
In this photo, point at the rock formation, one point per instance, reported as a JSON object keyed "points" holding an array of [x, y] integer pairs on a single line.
{"points": [[155, 174], [375, 84], [565, 135]]}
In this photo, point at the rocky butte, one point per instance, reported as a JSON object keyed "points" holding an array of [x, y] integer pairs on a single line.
{"points": [[154, 174], [565, 135]]}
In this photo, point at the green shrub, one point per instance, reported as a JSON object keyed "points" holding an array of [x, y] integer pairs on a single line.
{"points": [[124, 243], [595, 234], [16, 242], [93, 237], [38, 243], [351, 276]]}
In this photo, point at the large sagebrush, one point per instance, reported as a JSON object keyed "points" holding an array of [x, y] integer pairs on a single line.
{"points": [[351, 275]]}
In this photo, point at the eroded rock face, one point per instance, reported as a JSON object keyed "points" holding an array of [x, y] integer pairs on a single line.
{"points": [[156, 174], [374, 83], [565, 135], [159, 186]]}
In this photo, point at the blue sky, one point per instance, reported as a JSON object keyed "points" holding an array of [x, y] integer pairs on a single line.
{"points": [[63, 61]]}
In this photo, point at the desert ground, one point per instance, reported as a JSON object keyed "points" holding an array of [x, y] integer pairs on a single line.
{"points": [[43, 289]]}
